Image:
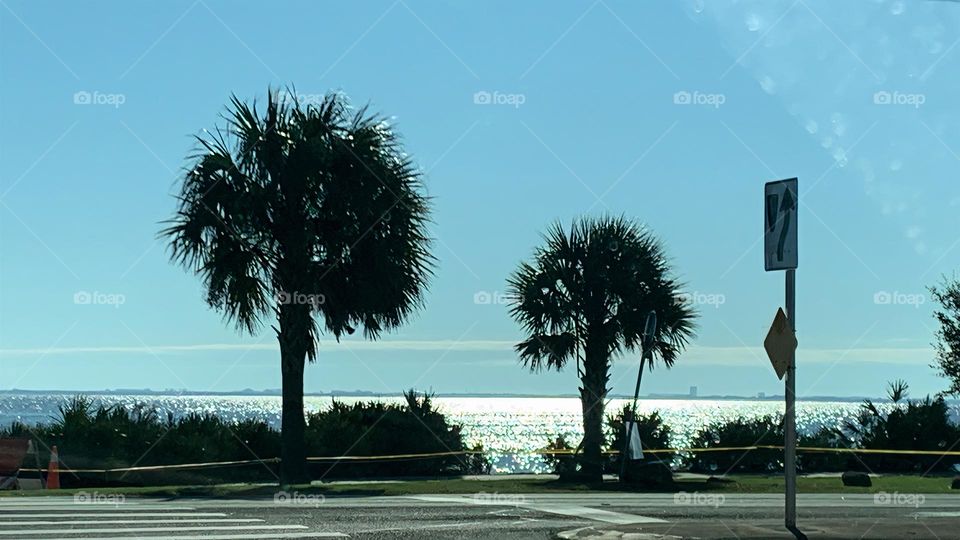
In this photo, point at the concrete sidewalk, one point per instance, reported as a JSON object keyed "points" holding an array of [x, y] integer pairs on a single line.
{"points": [[834, 516], [813, 528]]}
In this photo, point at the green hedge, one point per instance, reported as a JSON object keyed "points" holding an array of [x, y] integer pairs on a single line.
{"points": [[93, 436], [767, 430], [375, 428], [654, 435], [908, 425], [911, 425]]}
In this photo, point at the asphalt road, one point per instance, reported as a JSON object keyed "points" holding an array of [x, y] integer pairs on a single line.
{"points": [[495, 516]]}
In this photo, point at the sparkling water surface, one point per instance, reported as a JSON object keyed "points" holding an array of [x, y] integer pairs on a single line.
{"points": [[508, 427]]}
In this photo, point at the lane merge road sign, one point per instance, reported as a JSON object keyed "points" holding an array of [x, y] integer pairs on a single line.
{"points": [[780, 225]]}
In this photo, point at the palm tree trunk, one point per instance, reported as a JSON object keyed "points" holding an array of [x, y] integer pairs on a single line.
{"points": [[293, 336], [593, 392]]}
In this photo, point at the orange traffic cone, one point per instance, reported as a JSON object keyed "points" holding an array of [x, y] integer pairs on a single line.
{"points": [[53, 470]]}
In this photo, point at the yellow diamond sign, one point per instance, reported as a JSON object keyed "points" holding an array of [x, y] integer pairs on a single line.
{"points": [[780, 344]]}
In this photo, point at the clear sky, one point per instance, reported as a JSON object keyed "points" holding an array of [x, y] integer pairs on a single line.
{"points": [[520, 113]]}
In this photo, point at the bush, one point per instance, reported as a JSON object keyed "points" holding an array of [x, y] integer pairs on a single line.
{"points": [[92, 436], [561, 462], [808, 462], [910, 425], [654, 435], [376, 429], [762, 431]]}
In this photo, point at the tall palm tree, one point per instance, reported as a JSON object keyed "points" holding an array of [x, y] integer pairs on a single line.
{"points": [[310, 213], [585, 296]]}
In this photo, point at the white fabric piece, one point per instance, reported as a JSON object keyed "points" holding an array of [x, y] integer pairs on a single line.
{"points": [[634, 450]]}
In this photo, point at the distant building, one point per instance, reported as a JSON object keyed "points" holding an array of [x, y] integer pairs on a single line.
{"points": [[693, 391], [760, 395]]}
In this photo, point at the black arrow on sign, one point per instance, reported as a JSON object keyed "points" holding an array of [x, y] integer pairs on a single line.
{"points": [[787, 205]]}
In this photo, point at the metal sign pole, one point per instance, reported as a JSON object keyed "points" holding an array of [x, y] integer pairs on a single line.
{"points": [[646, 343], [631, 417], [790, 418], [780, 204]]}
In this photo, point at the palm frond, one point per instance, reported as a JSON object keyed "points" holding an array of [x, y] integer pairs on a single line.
{"points": [[309, 199], [597, 281]]}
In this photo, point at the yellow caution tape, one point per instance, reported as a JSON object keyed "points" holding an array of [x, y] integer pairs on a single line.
{"points": [[396, 456], [875, 451], [186, 466], [215, 464], [770, 447]]}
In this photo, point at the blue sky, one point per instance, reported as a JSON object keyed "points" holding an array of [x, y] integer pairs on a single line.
{"points": [[520, 114]]}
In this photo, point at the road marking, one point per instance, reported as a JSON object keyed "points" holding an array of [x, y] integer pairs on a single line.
{"points": [[421, 527], [88, 508], [126, 521], [80, 499], [154, 529], [596, 514], [608, 533], [117, 514], [569, 510], [274, 536], [36, 521], [90, 503], [574, 533], [937, 514]]}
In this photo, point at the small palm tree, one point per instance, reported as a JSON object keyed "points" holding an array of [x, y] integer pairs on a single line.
{"points": [[306, 212], [586, 296]]}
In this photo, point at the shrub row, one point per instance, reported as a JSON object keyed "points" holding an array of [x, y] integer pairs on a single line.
{"points": [[93, 436], [376, 429], [909, 425], [654, 434]]}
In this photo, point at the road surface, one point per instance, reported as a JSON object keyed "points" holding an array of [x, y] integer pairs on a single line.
{"points": [[100, 515]]}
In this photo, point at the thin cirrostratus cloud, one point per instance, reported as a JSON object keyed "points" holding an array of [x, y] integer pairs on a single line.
{"points": [[695, 355], [385, 345]]}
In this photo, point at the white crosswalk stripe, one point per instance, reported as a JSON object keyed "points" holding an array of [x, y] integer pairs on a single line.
{"points": [[125, 521], [226, 536], [32, 532], [559, 508], [125, 507], [45, 515], [148, 520]]}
